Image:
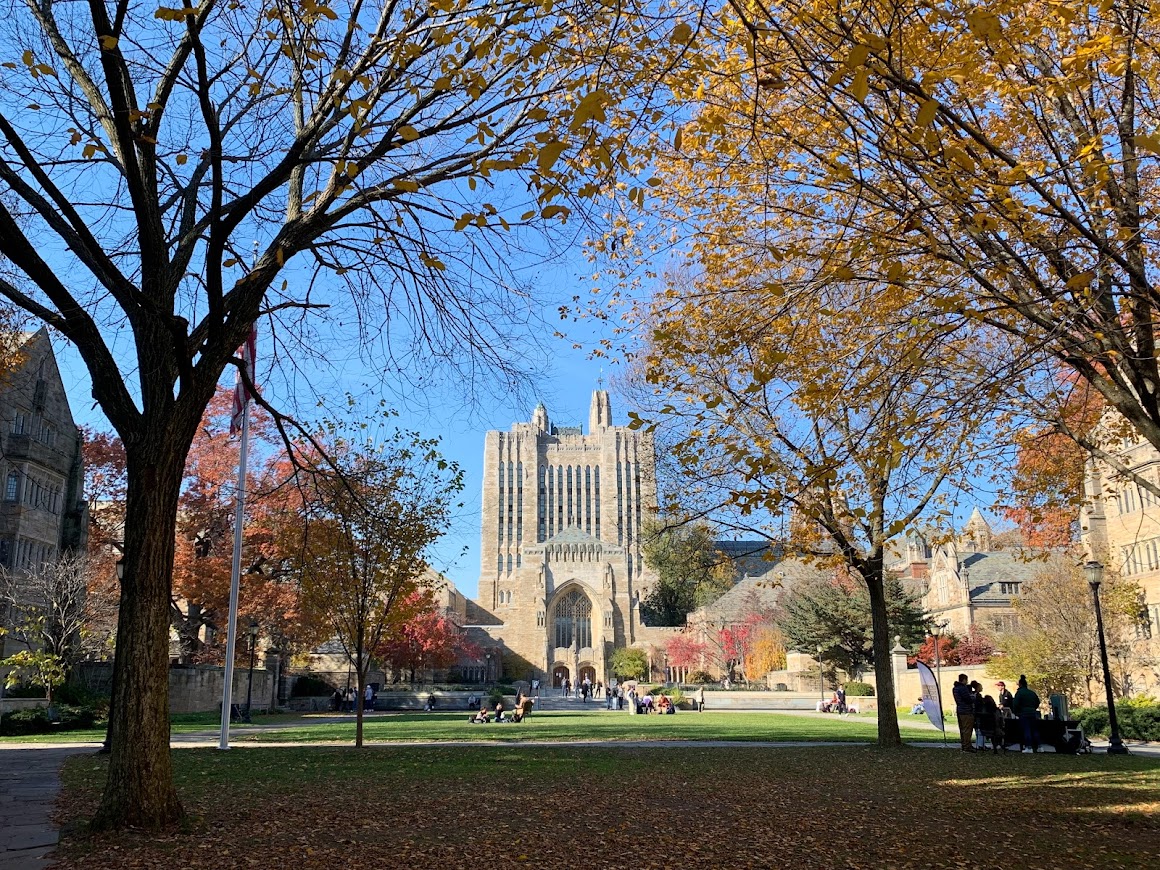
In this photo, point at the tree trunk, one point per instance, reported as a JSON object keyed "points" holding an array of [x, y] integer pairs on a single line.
{"points": [[888, 733], [361, 680], [139, 791]]}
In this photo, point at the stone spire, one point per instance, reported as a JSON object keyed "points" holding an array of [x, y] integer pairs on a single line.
{"points": [[600, 414], [977, 532], [540, 418]]}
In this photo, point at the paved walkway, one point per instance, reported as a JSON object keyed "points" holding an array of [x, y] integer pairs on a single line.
{"points": [[29, 782]]}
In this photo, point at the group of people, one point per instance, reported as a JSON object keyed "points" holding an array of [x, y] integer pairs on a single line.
{"points": [[585, 690], [523, 707], [984, 715], [836, 704], [344, 702]]}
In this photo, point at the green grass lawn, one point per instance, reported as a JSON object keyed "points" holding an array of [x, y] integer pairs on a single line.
{"points": [[688, 807], [179, 723], [592, 725]]}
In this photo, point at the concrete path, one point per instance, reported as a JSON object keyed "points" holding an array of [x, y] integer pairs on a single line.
{"points": [[29, 782]]}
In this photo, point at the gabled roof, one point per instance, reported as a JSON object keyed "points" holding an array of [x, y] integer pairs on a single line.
{"points": [[573, 535]]}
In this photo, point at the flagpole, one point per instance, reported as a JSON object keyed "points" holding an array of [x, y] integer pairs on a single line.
{"points": [[235, 577]]}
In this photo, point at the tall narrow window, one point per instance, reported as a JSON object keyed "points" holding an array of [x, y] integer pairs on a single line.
{"points": [[519, 501], [12, 487], [569, 495], [574, 620], [588, 499], [551, 501], [559, 498], [499, 524], [619, 504], [596, 489]]}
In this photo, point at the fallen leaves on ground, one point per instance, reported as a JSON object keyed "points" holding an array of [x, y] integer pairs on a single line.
{"points": [[688, 807]]}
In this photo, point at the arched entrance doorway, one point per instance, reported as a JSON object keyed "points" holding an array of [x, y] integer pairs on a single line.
{"points": [[559, 674], [587, 672]]}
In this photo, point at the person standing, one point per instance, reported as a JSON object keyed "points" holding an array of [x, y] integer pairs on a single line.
{"points": [[699, 698], [964, 712], [369, 699], [1005, 698], [1025, 705]]}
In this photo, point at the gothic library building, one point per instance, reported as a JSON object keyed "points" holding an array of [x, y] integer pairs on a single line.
{"points": [[562, 572]]}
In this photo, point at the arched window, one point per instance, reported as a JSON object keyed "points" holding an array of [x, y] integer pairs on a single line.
{"points": [[574, 620]]}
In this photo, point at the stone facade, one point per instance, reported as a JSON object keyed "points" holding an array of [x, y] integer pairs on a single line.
{"points": [[42, 507], [562, 570], [967, 581], [1120, 526]]}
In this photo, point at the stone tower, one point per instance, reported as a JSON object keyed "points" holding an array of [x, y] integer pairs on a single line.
{"points": [[560, 544]]}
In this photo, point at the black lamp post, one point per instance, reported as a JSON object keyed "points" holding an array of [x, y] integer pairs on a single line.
{"points": [[106, 744], [821, 677], [250, 682], [487, 670], [1095, 575]]}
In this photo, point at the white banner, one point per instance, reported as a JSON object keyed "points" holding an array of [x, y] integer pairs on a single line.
{"points": [[931, 697]]}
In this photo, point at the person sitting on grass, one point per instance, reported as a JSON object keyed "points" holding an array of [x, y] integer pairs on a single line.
{"points": [[918, 709], [499, 714], [481, 717]]}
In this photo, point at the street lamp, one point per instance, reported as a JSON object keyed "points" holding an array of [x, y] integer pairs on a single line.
{"points": [[487, 670], [1095, 575], [821, 685], [250, 683]]}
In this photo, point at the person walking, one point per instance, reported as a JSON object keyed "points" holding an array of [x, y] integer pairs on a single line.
{"points": [[699, 699], [1025, 705], [964, 712]]}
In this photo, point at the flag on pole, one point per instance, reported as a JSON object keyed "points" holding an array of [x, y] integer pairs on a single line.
{"points": [[241, 393], [931, 696]]}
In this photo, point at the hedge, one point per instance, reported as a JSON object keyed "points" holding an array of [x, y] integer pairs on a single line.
{"points": [[1138, 720]]}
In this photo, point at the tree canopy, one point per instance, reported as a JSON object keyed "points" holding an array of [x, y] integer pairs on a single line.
{"points": [[690, 571], [346, 172], [834, 613]]}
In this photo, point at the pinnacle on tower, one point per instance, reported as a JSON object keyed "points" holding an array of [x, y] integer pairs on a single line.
{"points": [[600, 414], [540, 418]]}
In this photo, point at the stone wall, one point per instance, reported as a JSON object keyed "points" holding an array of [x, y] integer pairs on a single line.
{"points": [[196, 689], [798, 678]]}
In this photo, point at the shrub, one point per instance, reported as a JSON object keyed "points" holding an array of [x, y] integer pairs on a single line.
{"points": [[495, 696], [857, 689], [699, 677], [77, 695], [74, 718], [674, 692], [33, 721], [310, 687], [1138, 719]]}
